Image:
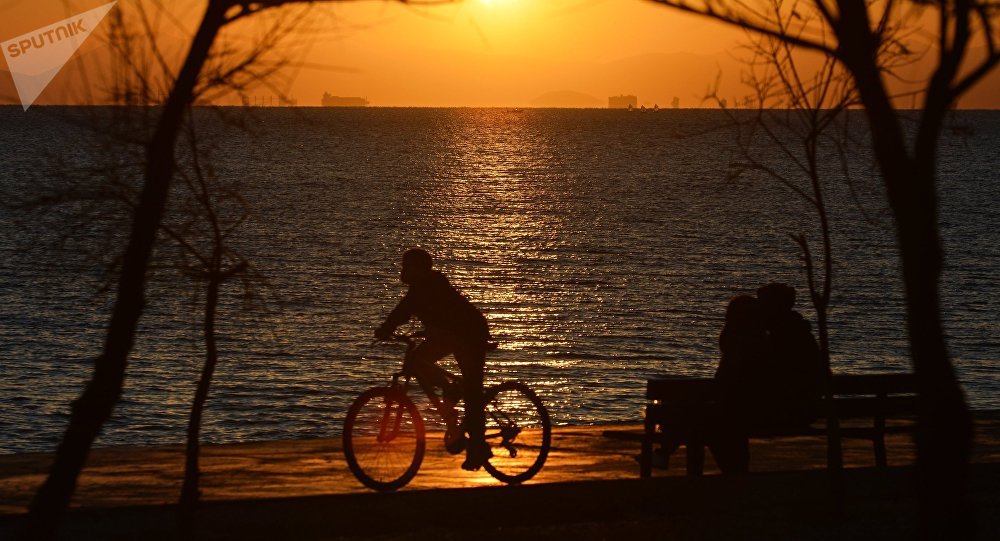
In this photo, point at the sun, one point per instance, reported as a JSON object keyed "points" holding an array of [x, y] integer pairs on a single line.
{"points": [[495, 3], [500, 6]]}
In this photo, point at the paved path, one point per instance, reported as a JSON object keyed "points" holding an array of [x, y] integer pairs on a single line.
{"points": [[285, 469]]}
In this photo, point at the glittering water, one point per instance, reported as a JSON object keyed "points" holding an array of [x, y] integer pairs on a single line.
{"points": [[602, 246]]}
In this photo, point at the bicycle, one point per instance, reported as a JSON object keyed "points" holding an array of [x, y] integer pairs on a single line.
{"points": [[384, 436]]}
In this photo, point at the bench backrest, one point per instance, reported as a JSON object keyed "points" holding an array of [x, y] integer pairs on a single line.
{"points": [[856, 395], [873, 384], [679, 388], [866, 395]]}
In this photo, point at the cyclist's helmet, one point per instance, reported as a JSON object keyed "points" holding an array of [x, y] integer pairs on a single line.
{"points": [[417, 258]]}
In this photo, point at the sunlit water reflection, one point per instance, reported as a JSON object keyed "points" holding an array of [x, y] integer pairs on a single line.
{"points": [[602, 246]]}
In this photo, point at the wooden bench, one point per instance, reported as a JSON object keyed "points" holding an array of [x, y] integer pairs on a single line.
{"points": [[675, 401]]}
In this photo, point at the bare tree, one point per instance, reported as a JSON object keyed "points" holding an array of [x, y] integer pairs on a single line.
{"points": [[799, 119], [208, 210], [197, 77], [202, 240], [864, 37], [204, 213]]}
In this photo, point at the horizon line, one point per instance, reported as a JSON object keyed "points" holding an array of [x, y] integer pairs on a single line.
{"points": [[507, 107]]}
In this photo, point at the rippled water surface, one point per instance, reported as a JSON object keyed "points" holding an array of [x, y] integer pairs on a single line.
{"points": [[602, 246]]}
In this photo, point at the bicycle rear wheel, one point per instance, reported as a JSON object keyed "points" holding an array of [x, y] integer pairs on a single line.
{"points": [[383, 439], [518, 431]]}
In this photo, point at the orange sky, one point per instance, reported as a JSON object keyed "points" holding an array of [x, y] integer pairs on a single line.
{"points": [[511, 52], [473, 53]]}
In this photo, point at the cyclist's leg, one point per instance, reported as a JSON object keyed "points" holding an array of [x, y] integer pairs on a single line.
{"points": [[472, 360], [423, 361]]}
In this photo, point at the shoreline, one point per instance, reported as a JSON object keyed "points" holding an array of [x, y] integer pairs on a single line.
{"points": [[604, 425], [136, 475], [473, 107]]}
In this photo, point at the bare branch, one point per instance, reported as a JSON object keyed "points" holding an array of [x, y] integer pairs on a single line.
{"points": [[716, 10]]}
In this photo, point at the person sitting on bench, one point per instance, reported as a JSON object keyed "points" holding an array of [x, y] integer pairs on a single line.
{"points": [[794, 377], [769, 374]]}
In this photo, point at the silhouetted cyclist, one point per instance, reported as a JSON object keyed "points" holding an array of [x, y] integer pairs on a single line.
{"points": [[453, 326]]}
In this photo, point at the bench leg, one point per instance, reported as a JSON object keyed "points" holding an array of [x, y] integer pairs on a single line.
{"points": [[695, 451], [646, 455], [880, 457], [834, 442], [878, 442]]}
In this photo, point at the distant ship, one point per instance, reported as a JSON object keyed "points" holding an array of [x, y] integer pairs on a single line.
{"points": [[624, 101], [340, 101]]}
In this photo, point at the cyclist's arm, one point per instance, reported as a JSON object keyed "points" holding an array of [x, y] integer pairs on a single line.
{"points": [[399, 315]]}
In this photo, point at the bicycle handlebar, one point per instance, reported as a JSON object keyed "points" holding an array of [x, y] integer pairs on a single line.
{"points": [[408, 339], [405, 338], [402, 337]]}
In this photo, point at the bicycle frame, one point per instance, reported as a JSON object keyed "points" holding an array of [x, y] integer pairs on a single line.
{"points": [[508, 430], [513, 412]]}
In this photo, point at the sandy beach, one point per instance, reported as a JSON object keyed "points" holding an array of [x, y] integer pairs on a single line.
{"points": [[589, 488]]}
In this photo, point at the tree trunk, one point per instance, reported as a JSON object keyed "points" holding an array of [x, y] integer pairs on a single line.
{"points": [[190, 491], [944, 424], [94, 407]]}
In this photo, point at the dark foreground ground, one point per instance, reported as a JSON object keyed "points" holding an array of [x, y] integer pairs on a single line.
{"points": [[764, 506], [588, 490]]}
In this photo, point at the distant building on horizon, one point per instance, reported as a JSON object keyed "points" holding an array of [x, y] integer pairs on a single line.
{"points": [[339, 101], [623, 102]]}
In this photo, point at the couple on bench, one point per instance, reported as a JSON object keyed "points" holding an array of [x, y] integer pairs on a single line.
{"points": [[769, 379]]}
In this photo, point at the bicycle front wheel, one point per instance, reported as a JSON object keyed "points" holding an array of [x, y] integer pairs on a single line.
{"points": [[518, 431], [384, 439]]}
